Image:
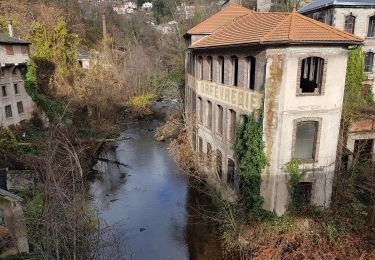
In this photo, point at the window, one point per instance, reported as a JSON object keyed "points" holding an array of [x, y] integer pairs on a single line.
{"points": [[194, 141], [305, 143], [230, 175], [219, 164], [210, 68], [303, 194], [2, 74], [235, 71], [209, 114], [251, 73], [20, 107], [4, 90], [232, 124], [16, 91], [312, 69], [363, 150], [9, 50], [220, 119], [200, 110], [371, 27], [369, 61], [8, 111], [222, 69], [200, 145], [349, 24], [200, 68], [25, 49], [209, 153], [2, 217]]}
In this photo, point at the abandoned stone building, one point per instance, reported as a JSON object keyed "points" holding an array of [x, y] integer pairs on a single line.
{"points": [[356, 17], [15, 104], [299, 64]]}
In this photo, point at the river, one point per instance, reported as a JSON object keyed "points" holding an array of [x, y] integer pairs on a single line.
{"points": [[153, 212]]}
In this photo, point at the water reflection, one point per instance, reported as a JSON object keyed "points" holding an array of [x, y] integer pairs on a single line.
{"points": [[150, 203]]}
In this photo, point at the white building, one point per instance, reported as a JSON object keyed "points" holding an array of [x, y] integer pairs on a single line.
{"points": [[15, 104]]}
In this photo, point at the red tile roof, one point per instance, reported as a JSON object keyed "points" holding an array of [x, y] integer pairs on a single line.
{"points": [[263, 28], [219, 19]]}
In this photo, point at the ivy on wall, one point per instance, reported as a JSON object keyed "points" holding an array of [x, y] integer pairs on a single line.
{"points": [[295, 176], [249, 148]]}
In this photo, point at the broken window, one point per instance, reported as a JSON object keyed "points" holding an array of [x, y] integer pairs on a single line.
{"points": [[219, 164], [235, 71], [311, 75], [4, 90], [222, 69], [200, 67], [20, 107], [209, 114], [251, 73], [210, 68], [371, 27], [8, 111], [232, 124], [220, 119], [369, 61], [350, 24], [303, 194], [305, 143], [363, 150], [230, 174], [200, 110]]}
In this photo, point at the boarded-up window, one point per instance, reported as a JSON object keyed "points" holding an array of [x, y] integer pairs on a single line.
{"points": [[209, 114], [220, 119], [305, 143], [251, 72], [230, 174], [20, 107], [8, 111], [232, 124], [9, 50], [312, 69], [25, 49], [350, 24], [219, 164]]}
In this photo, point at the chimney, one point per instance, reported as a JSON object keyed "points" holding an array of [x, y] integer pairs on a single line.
{"points": [[10, 29]]}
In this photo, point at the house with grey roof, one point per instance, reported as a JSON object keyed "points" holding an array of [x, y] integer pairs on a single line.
{"points": [[356, 17], [15, 104]]}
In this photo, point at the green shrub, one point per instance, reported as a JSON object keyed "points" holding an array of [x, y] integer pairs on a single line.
{"points": [[141, 105]]}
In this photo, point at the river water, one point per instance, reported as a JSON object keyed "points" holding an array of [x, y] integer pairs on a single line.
{"points": [[147, 201]]}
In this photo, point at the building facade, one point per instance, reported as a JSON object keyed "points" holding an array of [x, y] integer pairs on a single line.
{"points": [[237, 57], [356, 17], [15, 104]]}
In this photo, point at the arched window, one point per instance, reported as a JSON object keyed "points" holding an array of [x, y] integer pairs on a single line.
{"points": [[251, 72], [209, 115], [200, 68], [219, 164], [371, 27], [200, 110], [306, 140], [210, 68], [230, 173], [312, 69], [221, 69], [234, 71], [350, 23], [369, 61]]}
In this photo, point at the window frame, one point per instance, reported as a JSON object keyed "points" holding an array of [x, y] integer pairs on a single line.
{"points": [[4, 91], [209, 115], [251, 72], [16, 89], [315, 153], [210, 68], [369, 68], [220, 119], [321, 89], [235, 70], [8, 113], [231, 181], [200, 67], [221, 69], [371, 27], [351, 23], [20, 108]]}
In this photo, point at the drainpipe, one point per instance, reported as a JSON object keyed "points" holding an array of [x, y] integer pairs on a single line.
{"points": [[10, 29]]}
